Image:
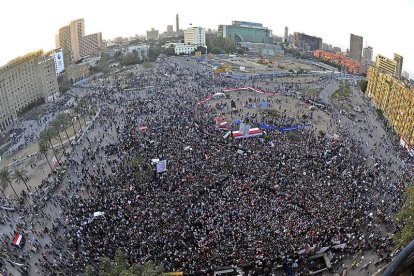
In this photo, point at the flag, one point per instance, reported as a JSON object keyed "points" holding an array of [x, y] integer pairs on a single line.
{"points": [[17, 240]]}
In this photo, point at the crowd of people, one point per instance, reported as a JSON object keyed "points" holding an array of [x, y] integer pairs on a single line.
{"points": [[249, 203]]}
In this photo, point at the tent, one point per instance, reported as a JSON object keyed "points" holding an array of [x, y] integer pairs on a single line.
{"points": [[264, 104]]}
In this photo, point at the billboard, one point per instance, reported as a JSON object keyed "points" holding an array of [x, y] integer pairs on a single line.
{"points": [[59, 64]]}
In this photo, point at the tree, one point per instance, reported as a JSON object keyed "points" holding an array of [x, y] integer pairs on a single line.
{"points": [[63, 82], [47, 135], [57, 125], [363, 85], [120, 267], [43, 149], [201, 49], [217, 50], [170, 51], [21, 176], [6, 179], [405, 218]]}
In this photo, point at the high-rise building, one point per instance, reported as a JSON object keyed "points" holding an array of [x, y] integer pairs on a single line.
{"points": [[170, 30], [304, 41], [355, 49], [70, 39], [23, 81], [77, 30], [386, 65], [91, 45], [195, 36], [367, 55], [395, 99], [286, 38], [405, 75], [153, 34], [177, 24], [399, 60], [242, 31]]}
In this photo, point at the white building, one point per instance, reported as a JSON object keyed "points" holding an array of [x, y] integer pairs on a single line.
{"points": [[184, 49], [195, 36]]}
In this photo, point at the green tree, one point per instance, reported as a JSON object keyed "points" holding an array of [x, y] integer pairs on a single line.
{"points": [[47, 135], [201, 49], [405, 218], [120, 267], [6, 180], [43, 149], [57, 125], [363, 85], [21, 176], [63, 82]]}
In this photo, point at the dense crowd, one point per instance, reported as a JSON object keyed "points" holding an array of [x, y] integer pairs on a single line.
{"points": [[251, 202]]}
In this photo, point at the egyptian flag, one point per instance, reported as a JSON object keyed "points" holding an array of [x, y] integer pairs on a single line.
{"points": [[17, 239]]}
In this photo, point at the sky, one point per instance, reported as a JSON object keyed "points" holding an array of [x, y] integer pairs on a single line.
{"points": [[28, 25]]}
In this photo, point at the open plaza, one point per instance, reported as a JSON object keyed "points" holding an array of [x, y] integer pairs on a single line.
{"points": [[194, 170]]}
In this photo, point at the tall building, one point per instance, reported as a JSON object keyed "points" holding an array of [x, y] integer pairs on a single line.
{"points": [[91, 45], [195, 36], [308, 42], [396, 100], [177, 24], [77, 30], [170, 30], [23, 81], [399, 60], [355, 49], [286, 37], [386, 65], [405, 75], [64, 42], [71, 37], [242, 31], [153, 34], [367, 55]]}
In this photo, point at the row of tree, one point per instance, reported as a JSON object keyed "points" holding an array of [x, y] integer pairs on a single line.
{"points": [[120, 266], [56, 127]]}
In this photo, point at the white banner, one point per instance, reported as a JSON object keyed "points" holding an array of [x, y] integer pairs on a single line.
{"points": [[162, 166]]}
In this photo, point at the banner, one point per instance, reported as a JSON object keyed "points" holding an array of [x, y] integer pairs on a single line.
{"points": [[161, 166]]}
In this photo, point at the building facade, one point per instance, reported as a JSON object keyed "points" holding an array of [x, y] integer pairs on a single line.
{"points": [[23, 81], [153, 34], [395, 99], [351, 66], [307, 42], [74, 44], [195, 36], [399, 60], [241, 31], [355, 48], [367, 55], [91, 45], [184, 49], [386, 65]]}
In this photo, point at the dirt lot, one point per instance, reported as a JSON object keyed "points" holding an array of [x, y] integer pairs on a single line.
{"points": [[281, 104]]}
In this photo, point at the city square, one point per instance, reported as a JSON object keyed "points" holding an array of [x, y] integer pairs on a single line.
{"points": [[206, 151]]}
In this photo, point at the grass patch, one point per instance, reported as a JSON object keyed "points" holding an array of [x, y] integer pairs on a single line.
{"points": [[342, 92]]}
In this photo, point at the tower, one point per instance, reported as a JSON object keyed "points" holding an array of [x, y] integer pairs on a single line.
{"points": [[286, 34], [177, 24]]}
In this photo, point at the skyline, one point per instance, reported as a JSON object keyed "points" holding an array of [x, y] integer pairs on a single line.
{"points": [[36, 30]]}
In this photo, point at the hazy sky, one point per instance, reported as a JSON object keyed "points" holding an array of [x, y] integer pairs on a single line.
{"points": [[28, 25]]}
